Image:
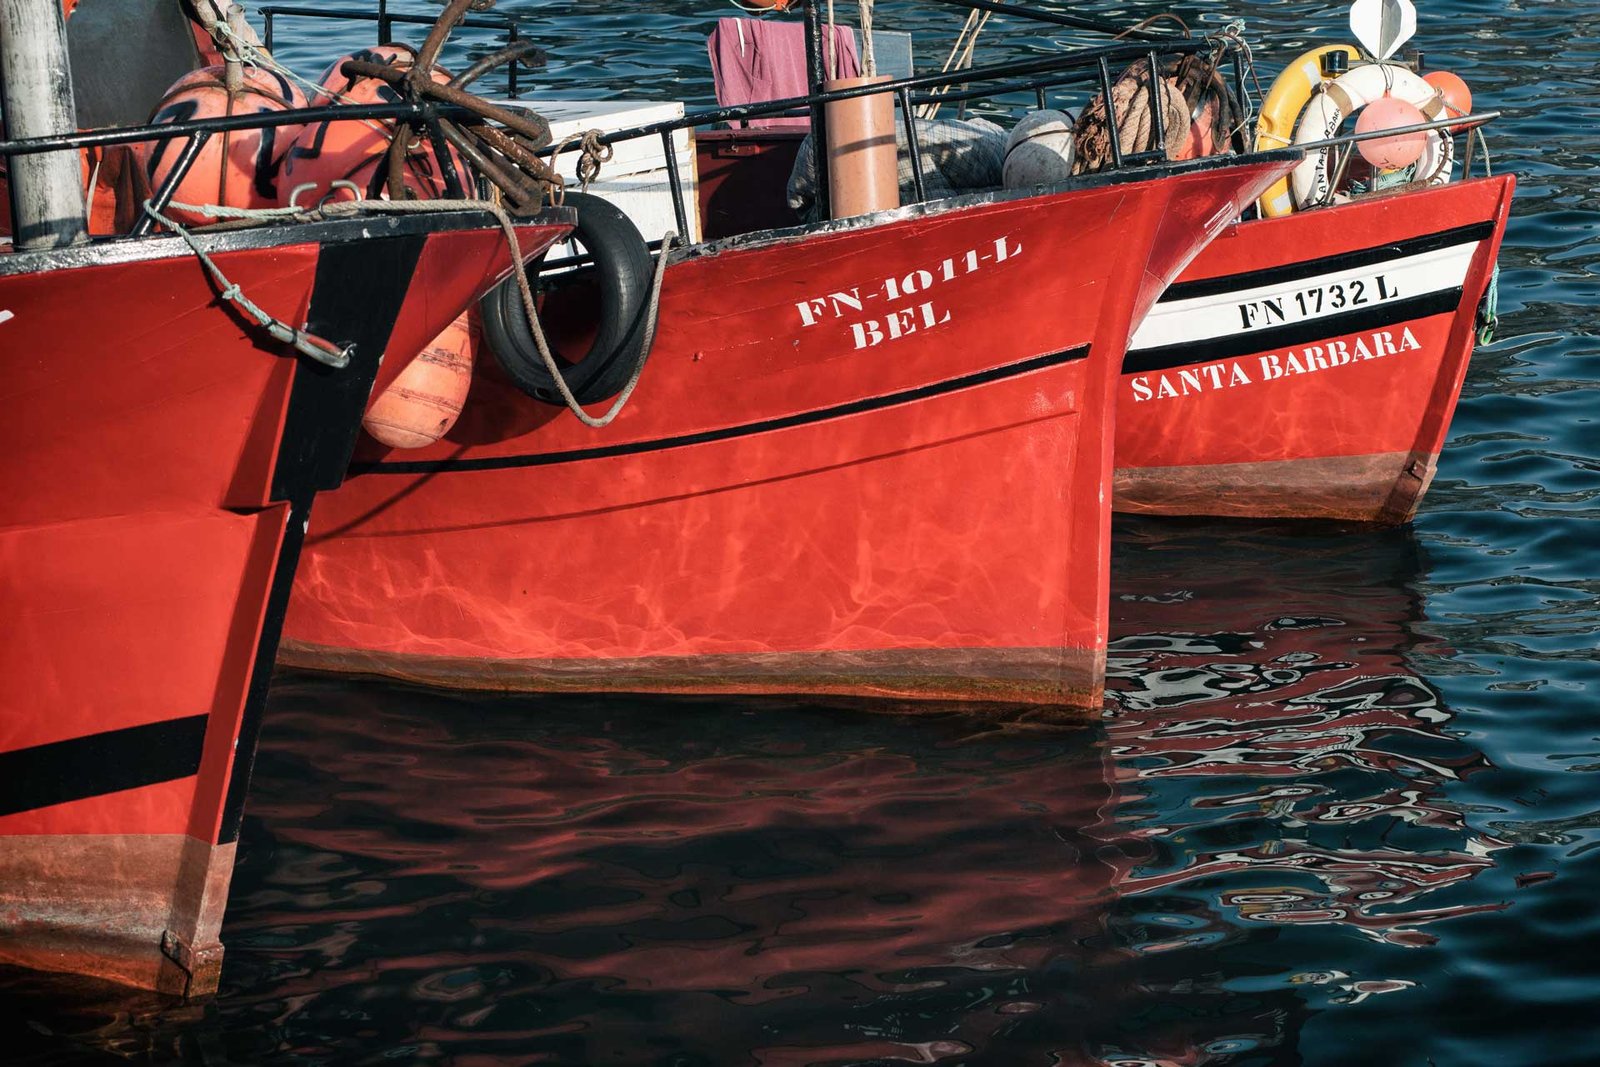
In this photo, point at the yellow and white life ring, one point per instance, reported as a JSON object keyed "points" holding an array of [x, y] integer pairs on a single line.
{"points": [[1280, 113], [1311, 184]]}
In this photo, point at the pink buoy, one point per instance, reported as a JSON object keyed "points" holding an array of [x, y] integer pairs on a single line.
{"points": [[1391, 153]]}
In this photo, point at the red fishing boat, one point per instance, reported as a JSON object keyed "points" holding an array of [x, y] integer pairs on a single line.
{"points": [[165, 440], [1309, 366], [867, 456], [1308, 363]]}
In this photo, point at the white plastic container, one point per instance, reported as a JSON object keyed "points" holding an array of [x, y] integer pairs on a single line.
{"points": [[635, 179]]}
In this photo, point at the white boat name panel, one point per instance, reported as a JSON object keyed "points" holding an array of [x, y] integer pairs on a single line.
{"points": [[6, 316], [1270, 366], [1204, 318], [869, 327]]}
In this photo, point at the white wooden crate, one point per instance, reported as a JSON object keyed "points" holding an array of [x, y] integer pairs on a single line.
{"points": [[635, 178]]}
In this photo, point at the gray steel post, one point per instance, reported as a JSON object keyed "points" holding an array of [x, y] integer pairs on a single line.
{"points": [[36, 88]]}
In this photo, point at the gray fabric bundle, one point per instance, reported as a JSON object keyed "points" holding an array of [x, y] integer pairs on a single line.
{"points": [[958, 155]]}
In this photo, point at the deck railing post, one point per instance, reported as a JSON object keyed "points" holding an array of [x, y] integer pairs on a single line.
{"points": [[1111, 113], [679, 213], [512, 37], [180, 171], [1158, 121], [816, 74], [913, 144]]}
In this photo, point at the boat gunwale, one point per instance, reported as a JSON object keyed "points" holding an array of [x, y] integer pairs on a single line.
{"points": [[757, 239], [374, 226]]}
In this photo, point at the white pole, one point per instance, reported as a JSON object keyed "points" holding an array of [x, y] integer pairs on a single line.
{"points": [[36, 87]]}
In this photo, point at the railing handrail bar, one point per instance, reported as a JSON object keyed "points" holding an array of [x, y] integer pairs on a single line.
{"points": [[1066, 61], [1472, 121], [114, 135], [423, 111], [1051, 18], [489, 22]]}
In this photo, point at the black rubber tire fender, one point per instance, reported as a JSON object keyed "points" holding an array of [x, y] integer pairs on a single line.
{"points": [[623, 271]]}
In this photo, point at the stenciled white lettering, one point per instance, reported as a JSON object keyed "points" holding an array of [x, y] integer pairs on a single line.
{"points": [[1271, 366], [850, 306]]}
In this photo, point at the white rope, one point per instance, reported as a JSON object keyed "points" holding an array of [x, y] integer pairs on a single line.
{"points": [[253, 55], [869, 62], [833, 45], [960, 57], [307, 344]]}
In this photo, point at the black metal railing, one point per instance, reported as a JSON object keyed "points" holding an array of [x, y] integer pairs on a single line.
{"points": [[386, 20], [195, 133], [1090, 67]]}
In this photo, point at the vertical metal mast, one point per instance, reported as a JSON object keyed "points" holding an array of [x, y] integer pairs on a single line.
{"points": [[36, 91]]}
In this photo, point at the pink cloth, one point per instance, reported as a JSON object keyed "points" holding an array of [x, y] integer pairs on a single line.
{"points": [[755, 60]]}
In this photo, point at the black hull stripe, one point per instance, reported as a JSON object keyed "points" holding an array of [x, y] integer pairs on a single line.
{"points": [[1233, 345], [1311, 268], [100, 763], [728, 433]]}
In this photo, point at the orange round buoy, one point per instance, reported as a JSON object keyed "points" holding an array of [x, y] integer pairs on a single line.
{"points": [[424, 401], [236, 169], [326, 152], [1457, 96]]}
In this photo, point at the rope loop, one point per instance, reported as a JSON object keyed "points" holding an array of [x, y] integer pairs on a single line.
{"points": [[592, 153]]}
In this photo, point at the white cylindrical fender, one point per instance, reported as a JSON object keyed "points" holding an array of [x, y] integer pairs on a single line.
{"points": [[1039, 150], [1311, 183]]}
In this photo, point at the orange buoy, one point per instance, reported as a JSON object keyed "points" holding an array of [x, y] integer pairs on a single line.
{"points": [[424, 401], [237, 168], [1457, 96], [113, 184], [326, 152]]}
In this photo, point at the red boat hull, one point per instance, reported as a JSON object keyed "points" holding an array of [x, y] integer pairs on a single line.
{"points": [[161, 458], [870, 461], [1308, 366]]}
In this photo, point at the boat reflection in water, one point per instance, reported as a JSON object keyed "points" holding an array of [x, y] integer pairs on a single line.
{"points": [[595, 879], [1292, 748]]}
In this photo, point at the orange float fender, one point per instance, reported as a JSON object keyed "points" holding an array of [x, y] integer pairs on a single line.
{"points": [[426, 398], [326, 152], [235, 169]]}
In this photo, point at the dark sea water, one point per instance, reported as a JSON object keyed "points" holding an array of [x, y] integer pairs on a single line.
{"points": [[1343, 808]]}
